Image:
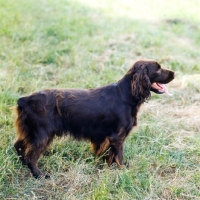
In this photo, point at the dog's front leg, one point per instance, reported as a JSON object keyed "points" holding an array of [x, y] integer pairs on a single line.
{"points": [[116, 151]]}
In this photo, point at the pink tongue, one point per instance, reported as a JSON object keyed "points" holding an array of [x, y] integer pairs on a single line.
{"points": [[161, 88], [164, 89]]}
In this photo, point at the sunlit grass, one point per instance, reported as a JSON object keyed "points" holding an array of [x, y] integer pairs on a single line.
{"points": [[87, 44], [147, 10]]}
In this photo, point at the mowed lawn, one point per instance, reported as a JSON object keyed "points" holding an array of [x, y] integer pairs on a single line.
{"points": [[87, 44]]}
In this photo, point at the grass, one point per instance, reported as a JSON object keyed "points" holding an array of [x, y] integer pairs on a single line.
{"points": [[86, 44]]}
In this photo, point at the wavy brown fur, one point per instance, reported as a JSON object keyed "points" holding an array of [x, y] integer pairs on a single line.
{"points": [[103, 115]]}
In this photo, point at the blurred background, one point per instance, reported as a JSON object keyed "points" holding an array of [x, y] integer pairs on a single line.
{"points": [[87, 44]]}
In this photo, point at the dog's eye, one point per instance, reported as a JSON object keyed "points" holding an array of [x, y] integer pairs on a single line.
{"points": [[159, 70]]}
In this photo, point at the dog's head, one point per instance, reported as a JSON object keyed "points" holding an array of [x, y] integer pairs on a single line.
{"points": [[149, 76]]}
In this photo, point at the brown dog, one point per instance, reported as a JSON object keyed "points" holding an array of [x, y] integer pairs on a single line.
{"points": [[103, 115]]}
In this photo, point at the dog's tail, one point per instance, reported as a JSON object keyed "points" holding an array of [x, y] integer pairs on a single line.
{"points": [[21, 111]]}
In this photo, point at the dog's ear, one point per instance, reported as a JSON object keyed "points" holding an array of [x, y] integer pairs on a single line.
{"points": [[141, 85]]}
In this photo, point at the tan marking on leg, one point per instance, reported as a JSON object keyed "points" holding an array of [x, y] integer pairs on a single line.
{"points": [[103, 147], [110, 158], [117, 161]]}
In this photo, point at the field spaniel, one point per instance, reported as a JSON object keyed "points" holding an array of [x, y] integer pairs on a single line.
{"points": [[104, 116]]}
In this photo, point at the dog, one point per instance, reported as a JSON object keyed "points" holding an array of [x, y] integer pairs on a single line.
{"points": [[104, 116]]}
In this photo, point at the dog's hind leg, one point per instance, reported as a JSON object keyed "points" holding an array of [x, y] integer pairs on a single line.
{"points": [[32, 162], [32, 157], [34, 151], [20, 148]]}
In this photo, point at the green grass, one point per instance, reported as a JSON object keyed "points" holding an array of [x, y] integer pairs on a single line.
{"points": [[86, 44]]}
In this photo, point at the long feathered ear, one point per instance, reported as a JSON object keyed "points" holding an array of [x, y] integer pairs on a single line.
{"points": [[141, 85]]}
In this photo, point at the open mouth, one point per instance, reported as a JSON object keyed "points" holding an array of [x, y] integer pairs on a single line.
{"points": [[161, 88]]}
